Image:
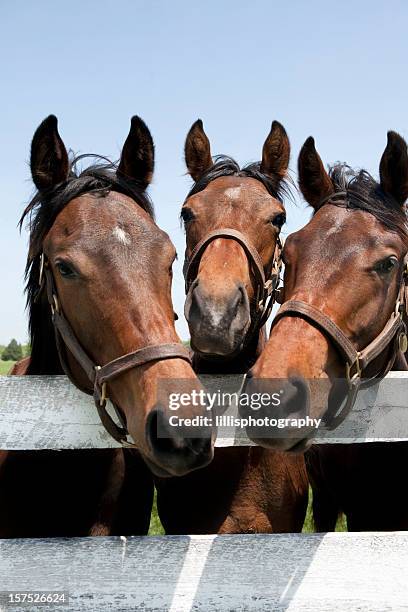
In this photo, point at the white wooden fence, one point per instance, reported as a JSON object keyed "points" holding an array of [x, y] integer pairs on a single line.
{"points": [[319, 572], [48, 412]]}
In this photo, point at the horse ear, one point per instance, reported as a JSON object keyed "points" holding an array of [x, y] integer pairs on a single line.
{"points": [[137, 159], [197, 151], [49, 158], [276, 152], [394, 168], [314, 182]]}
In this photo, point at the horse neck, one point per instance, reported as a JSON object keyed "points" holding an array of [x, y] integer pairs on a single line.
{"points": [[239, 364], [44, 354]]}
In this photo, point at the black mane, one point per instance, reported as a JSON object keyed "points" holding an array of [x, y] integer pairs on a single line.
{"points": [[98, 179], [364, 193], [227, 166]]}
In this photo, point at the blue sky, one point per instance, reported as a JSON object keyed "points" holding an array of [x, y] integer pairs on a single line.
{"points": [[339, 75]]}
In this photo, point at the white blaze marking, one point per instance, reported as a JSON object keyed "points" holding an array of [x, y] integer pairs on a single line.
{"points": [[233, 192], [121, 235]]}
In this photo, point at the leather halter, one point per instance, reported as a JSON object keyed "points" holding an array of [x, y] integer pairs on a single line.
{"points": [[265, 287], [100, 376], [393, 337]]}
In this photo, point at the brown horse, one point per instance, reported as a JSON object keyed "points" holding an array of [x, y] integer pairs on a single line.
{"points": [[247, 489], [344, 272], [108, 273]]}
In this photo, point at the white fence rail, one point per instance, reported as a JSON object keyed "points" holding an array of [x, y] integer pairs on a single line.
{"points": [[48, 412], [316, 572]]}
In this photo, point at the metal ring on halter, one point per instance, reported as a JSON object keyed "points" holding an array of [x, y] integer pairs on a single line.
{"points": [[103, 398], [357, 374]]}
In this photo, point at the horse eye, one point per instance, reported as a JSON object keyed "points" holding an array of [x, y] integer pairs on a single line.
{"points": [[65, 269], [279, 220], [385, 266], [187, 214]]}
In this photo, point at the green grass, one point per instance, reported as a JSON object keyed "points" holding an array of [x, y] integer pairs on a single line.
{"points": [[308, 526], [5, 367], [157, 529]]}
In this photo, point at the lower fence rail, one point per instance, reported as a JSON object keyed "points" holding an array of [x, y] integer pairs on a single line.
{"points": [[316, 572]]}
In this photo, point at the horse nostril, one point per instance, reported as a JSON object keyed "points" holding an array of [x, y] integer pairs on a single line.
{"points": [[296, 394], [244, 300], [293, 394], [172, 448], [190, 303], [237, 301], [160, 434], [291, 403], [198, 300]]}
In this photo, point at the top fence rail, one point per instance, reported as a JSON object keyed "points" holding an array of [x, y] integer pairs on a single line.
{"points": [[48, 412]]}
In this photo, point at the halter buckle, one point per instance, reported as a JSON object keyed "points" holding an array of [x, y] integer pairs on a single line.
{"points": [[55, 305], [357, 374], [103, 398]]}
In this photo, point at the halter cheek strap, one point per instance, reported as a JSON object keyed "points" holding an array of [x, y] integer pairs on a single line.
{"points": [[100, 376]]}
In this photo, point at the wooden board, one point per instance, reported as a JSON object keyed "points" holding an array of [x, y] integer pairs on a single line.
{"points": [[48, 412], [293, 572]]}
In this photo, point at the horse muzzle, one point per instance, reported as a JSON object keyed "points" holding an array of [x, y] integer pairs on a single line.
{"points": [[218, 324], [175, 451]]}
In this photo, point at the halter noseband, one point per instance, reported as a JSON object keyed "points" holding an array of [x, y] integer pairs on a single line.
{"points": [[265, 287], [99, 376], [393, 336]]}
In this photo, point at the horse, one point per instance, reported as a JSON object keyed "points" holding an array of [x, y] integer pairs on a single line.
{"points": [[99, 274], [232, 218], [342, 325]]}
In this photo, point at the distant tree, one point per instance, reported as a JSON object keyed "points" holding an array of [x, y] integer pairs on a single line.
{"points": [[12, 352]]}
